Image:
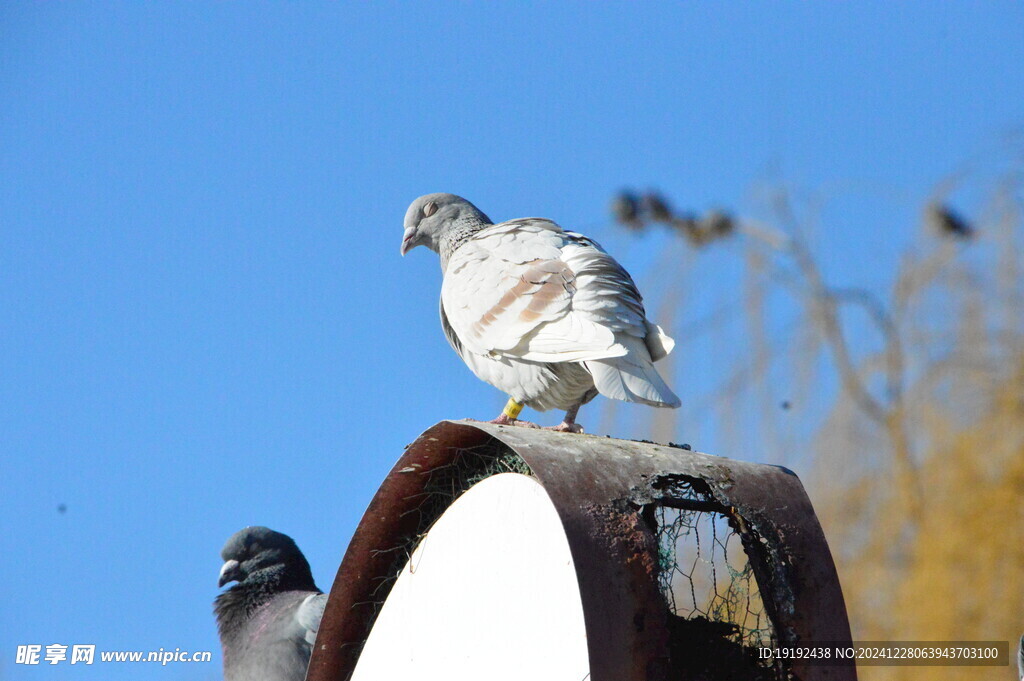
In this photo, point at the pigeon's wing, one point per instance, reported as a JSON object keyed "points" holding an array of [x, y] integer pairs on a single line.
{"points": [[308, 616], [609, 296], [276, 641], [504, 283], [449, 332], [529, 290]]}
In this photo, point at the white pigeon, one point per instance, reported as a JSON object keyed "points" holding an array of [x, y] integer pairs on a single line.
{"points": [[542, 314]]}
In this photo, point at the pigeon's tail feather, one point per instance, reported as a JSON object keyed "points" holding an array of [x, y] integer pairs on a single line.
{"points": [[659, 343], [632, 378]]}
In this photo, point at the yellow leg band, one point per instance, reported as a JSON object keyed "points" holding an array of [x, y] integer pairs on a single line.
{"points": [[512, 409]]}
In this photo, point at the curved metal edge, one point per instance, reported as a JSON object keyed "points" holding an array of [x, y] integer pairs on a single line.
{"points": [[615, 553], [362, 580]]}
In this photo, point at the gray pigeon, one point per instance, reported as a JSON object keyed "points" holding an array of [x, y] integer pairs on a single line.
{"points": [[268, 621], [542, 314]]}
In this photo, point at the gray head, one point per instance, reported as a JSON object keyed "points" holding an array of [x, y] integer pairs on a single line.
{"points": [[434, 219], [261, 551]]}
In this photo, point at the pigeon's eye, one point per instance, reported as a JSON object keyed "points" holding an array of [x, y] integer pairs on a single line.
{"points": [[429, 209]]}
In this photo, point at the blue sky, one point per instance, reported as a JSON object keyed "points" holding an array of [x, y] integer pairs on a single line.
{"points": [[204, 320]]}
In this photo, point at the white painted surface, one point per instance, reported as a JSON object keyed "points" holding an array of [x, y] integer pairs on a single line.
{"points": [[490, 594]]}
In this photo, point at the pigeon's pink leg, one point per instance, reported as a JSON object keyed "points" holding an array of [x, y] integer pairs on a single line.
{"points": [[568, 424]]}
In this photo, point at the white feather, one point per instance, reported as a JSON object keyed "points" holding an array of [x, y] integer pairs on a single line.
{"points": [[546, 316]]}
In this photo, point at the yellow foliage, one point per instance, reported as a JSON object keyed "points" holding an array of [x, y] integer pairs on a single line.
{"points": [[955, 572]]}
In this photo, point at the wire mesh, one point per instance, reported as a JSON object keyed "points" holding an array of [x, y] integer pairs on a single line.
{"points": [[717, 617]]}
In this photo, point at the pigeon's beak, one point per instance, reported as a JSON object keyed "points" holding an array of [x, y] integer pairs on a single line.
{"points": [[410, 240], [229, 572]]}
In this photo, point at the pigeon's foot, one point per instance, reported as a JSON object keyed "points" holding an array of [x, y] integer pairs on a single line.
{"points": [[508, 415], [568, 424], [565, 427], [504, 420]]}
